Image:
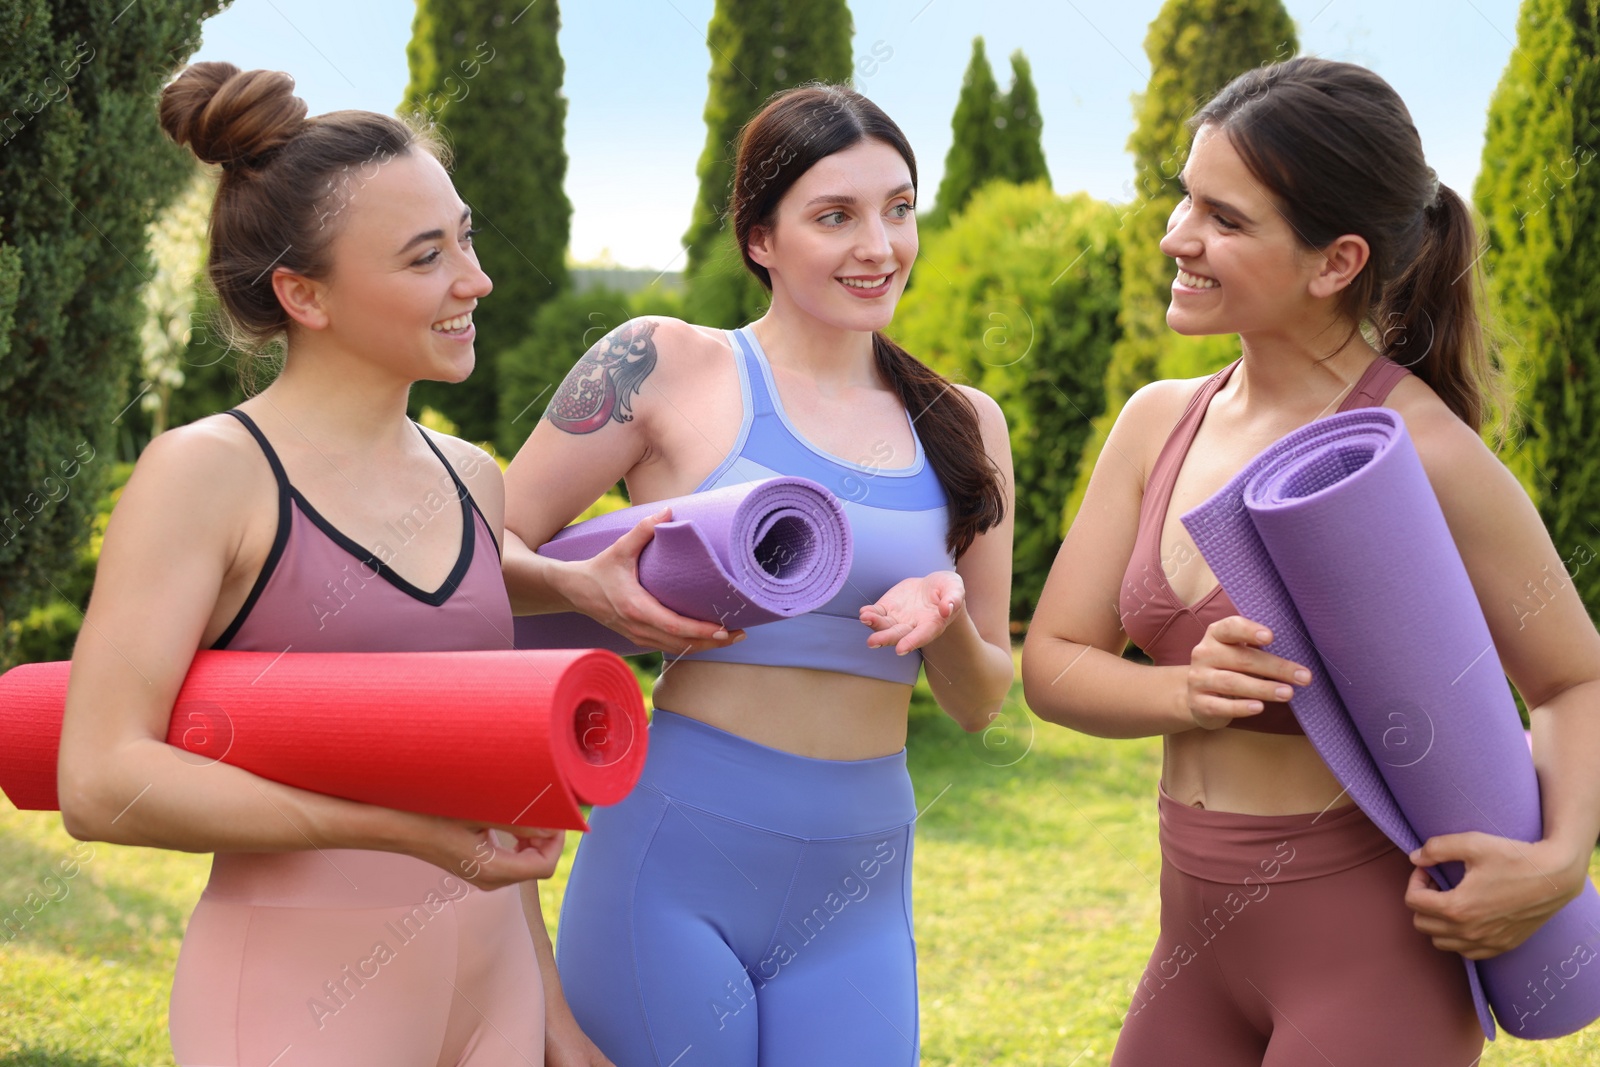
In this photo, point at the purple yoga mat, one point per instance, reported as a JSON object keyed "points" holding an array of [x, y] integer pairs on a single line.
{"points": [[1333, 539], [741, 555]]}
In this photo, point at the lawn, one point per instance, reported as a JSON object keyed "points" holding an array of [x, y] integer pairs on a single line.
{"points": [[1036, 906]]}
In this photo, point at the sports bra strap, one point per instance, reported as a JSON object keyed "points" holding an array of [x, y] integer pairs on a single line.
{"points": [[1375, 384], [461, 488], [760, 399], [1165, 472], [261, 439], [283, 478]]}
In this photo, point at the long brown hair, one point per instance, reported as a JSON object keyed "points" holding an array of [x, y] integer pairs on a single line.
{"points": [[1335, 144], [796, 128], [284, 180]]}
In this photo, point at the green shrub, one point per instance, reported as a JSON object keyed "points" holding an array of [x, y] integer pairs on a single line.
{"points": [[1195, 48], [84, 169], [48, 631], [1018, 296]]}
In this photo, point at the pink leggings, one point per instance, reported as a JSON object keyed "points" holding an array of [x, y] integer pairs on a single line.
{"points": [[1285, 941], [342, 957]]}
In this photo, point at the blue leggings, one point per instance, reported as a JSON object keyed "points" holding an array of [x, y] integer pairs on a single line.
{"points": [[745, 907]]}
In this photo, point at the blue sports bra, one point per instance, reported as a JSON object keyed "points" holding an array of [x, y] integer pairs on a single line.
{"points": [[898, 520]]}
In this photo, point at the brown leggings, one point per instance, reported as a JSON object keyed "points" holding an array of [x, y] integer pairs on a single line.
{"points": [[1286, 941]]}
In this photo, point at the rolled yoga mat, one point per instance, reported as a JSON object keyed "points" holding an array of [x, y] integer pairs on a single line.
{"points": [[507, 738], [1334, 540], [741, 555]]}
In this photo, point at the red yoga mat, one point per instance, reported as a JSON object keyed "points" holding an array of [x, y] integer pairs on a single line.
{"points": [[506, 738]]}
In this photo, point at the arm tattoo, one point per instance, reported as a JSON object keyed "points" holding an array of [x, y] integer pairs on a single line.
{"points": [[600, 387]]}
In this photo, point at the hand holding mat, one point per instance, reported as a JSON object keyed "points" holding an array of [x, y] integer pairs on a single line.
{"points": [[502, 738], [741, 555], [1330, 529]]}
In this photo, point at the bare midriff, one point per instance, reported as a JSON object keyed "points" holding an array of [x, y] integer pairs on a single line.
{"points": [[820, 714], [1248, 773]]}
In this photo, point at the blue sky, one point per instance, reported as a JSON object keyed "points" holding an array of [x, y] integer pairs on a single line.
{"points": [[636, 83]]}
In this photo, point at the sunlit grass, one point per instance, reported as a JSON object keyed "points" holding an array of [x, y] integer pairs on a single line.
{"points": [[1036, 904]]}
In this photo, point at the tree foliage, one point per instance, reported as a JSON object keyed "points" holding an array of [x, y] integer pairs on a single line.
{"points": [[1539, 192], [84, 169], [490, 77], [1532, 154], [1195, 48], [758, 47], [1022, 132], [1018, 297], [977, 152], [995, 136]]}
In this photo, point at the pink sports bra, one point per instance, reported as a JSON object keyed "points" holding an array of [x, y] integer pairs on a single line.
{"points": [[1152, 616]]}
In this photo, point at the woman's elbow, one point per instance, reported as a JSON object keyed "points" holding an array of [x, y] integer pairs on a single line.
{"points": [[977, 717], [83, 795], [977, 714], [1044, 703], [80, 813]]}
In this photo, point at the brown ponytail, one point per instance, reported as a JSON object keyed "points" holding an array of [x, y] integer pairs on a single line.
{"points": [[796, 128], [951, 439], [1428, 316], [1336, 146]]}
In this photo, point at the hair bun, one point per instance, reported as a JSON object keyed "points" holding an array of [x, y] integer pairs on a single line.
{"points": [[230, 116]]}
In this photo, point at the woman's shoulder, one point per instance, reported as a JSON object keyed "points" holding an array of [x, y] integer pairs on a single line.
{"points": [[215, 448], [674, 336], [478, 470], [1145, 422], [1459, 463], [991, 417], [987, 407], [472, 462], [208, 473], [667, 346], [1429, 421], [1155, 407]]}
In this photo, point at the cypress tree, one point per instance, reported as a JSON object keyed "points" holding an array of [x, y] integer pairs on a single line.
{"points": [[1539, 192], [84, 169], [1022, 126], [1531, 154], [492, 82], [758, 47], [1195, 48], [978, 152]]}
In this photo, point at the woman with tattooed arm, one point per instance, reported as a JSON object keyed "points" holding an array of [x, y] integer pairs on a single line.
{"points": [[758, 879]]}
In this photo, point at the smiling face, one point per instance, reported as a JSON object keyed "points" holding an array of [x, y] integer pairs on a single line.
{"points": [[843, 238], [404, 277], [1240, 267]]}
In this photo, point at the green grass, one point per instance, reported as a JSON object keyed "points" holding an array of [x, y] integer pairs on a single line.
{"points": [[1036, 903]]}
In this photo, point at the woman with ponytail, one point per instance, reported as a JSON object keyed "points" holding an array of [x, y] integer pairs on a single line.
{"points": [[751, 901], [331, 933], [1314, 229]]}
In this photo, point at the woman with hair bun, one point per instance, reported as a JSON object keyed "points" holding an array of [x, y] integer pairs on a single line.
{"points": [[750, 902], [331, 932], [1314, 229]]}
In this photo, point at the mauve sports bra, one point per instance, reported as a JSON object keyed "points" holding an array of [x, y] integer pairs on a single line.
{"points": [[1152, 616], [321, 591]]}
